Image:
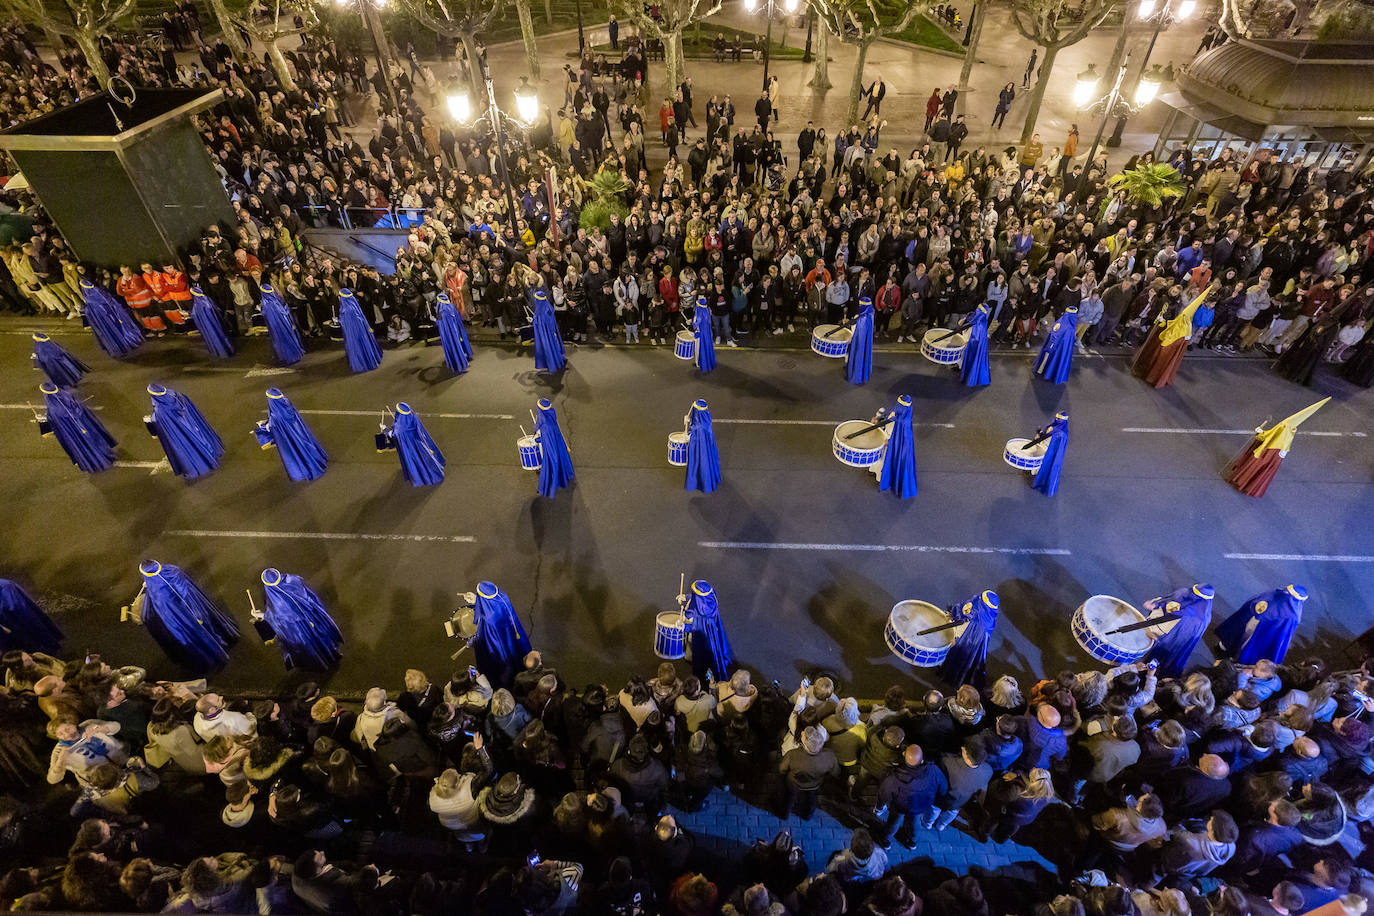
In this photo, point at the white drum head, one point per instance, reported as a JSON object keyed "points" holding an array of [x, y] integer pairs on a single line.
{"points": [[1103, 613], [911, 617], [526, 441], [466, 623], [1019, 446], [874, 438], [677, 437], [822, 332], [686, 335]]}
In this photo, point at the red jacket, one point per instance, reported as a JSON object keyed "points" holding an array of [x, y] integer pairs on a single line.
{"points": [[175, 287], [135, 291]]}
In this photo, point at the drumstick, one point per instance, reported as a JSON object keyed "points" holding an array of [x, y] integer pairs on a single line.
{"points": [[1038, 439], [944, 626], [950, 334], [835, 330], [868, 429], [1144, 624]]}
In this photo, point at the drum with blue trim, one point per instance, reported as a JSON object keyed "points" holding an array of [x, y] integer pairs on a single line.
{"points": [[677, 449], [530, 453], [831, 340], [1092, 627], [685, 346], [947, 352], [863, 451], [670, 635], [1025, 459], [909, 618]]}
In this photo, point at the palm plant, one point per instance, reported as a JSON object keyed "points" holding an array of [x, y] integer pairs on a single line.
{"points": [[1149, 185], [607, 189]]}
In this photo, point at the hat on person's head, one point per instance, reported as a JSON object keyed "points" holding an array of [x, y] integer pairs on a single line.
{"points": [[508, 788], [813, 739]]}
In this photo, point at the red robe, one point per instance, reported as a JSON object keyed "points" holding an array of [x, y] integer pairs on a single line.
{"points": [[1157, 364], [1251, 475]]}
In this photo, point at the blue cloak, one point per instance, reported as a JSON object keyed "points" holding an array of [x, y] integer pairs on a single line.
{"points": [[706, 342], [710, 646], [209, 321], [307, 636], [114, 328], [858, 356], [1275, 616], [281, 326], [501, 643], [1046, 480], [1174, 648], [975, 369], [453, 336], [703, 458], [421, 461], [23, 625], [84, 438], [1056, 354], [555, 464], [183, 620], [359, 342], [967, 660], [548, 345], [899, 460], [301, 453], [61, 368], [192, 447]]}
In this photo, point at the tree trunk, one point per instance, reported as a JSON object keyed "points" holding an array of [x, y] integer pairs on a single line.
{"points": [[980, 12], [228, 29], [86, 41], [1038, 93], [469, 41], [856, 82], [548, 12], [522, 7], [820, 72], [279, 64], [674, 69]]}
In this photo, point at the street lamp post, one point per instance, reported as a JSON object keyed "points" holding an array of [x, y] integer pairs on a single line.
{"points": [[526, 110], [1163, 15], [581, 39], [368, 9], [1114, 103], [769, 9]]}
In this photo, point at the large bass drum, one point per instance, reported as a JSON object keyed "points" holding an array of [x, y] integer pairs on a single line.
{"points": [[904, 624], [1092, 627]]}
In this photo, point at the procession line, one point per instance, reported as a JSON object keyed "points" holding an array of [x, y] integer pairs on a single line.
{"points": [[910, 548], [744, 422], [1228, 432], [426, 414], [1299, 557], [321, 535]]}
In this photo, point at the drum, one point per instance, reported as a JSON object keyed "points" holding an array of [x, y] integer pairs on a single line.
{"points": [[836, 345], [529, 452], [1025, 459], [947, 352], [911, 617], [465, 623], [263, 434], [670, 635], [1096, 618], [685, 346], [862, 451], [677, 449]]}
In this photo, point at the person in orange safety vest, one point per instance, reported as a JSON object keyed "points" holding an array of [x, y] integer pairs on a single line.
{"points": [[139, 297]]}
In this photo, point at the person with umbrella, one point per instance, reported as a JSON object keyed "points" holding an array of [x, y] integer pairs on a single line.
{"points": [[301, 453], [360, 344], [858, 356], [192, 447], [298, 622], [703, 458], [1055, 360], [548, 345], [62, 368], [421, 461], [701, 330], [453, 336], [281, 327], [555, 464], [897, 470], [84, 438], [1263, 627], [209, 321], [1046, 478], [114, 328], [24, 627], [711, 653], [500, 643], [1190, 609], [967, 661], [182, 619]]}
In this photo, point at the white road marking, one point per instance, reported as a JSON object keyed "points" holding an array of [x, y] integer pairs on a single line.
{"points": [[911, 548], [830, 423], [37, 407], [423, 414], [321, 535], [154, 467], [1228, 432], [258, 371], [1299, 557]]}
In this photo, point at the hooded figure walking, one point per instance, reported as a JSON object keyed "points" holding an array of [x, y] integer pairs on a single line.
{"points": [[84, 438], [192, 447]]}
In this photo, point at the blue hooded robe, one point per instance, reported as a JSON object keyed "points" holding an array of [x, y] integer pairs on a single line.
{"points": [[701, 330], [1174, 648], [703, 458], [183, 620], [360, 344], [421, 461], [1046, 479], [84, 438], [501, 643], [114, 328], [967, 661], [23, 624], [1055, 359], [453, 336], [975, 369], [301, 453], [1264, 626], [710, 646], [555, 465], [548, 345], [209, 321], [307, 636], [898, 473], [61, 368], [281, 326], [858, 356], [192, 447]]}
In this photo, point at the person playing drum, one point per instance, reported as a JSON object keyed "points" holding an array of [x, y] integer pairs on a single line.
{"points": [[967, 661], [1189, 611]]}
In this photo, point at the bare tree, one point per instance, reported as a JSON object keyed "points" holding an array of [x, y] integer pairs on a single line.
{"points": [[1054, 25], [83, 21], [460, 19], [673, 17], [820, 70], [229, 29], [270, 28], [860, 23], [522, 11]]}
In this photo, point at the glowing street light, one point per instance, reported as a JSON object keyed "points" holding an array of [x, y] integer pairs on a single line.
{"points": [[1085, 87]]}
